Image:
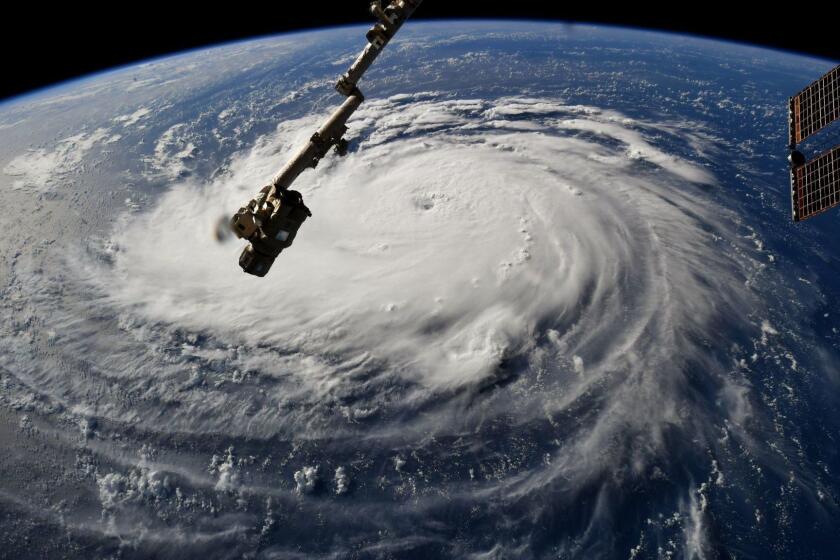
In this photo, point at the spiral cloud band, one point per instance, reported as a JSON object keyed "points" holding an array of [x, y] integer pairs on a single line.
{"points": [[461, 234]]}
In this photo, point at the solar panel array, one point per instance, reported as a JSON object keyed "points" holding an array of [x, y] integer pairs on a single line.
{"points": [[816, 185], [815, 107]]}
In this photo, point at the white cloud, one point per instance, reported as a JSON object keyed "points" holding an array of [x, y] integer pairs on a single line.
{"points": [[173, 149], [306, 479], [226, 470], [139, 484], [133, 118], [43, 169], [342, 481]]}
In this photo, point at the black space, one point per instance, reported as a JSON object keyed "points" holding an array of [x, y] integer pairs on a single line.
{"points": [[42, 45]]}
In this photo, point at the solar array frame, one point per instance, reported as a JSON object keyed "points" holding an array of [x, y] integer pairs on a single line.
{"points": [[815, 107], [816, 185]]}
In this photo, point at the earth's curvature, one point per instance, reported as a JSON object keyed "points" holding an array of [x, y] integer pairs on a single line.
{"points": [[550, 305]]}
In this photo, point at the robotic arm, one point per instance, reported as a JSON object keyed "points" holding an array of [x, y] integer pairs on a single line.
{"points": [[270, 221]]}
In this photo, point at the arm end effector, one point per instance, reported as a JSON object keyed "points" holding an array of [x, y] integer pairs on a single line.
{"points": [[270, 223]]}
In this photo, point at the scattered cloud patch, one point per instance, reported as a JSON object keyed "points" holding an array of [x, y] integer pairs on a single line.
{"points": [[44, 169]]}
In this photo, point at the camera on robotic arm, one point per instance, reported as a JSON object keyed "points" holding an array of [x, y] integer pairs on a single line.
{"points": [[270, 223]]}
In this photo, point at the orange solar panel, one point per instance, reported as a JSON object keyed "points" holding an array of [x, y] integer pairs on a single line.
{"points": [[815, 107], [816, 185]]}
